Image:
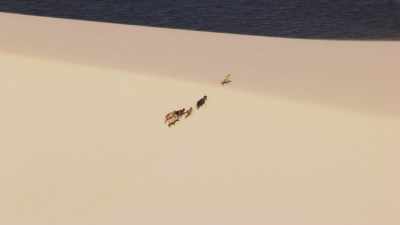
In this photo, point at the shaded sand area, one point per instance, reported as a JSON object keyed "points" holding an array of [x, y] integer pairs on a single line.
{"points": [[83, 139]]}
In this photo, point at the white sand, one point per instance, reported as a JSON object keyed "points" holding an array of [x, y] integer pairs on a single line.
{"points": [[307, 133]]}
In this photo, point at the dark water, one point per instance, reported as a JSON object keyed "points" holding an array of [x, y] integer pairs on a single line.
{"points": [[333, 19]]}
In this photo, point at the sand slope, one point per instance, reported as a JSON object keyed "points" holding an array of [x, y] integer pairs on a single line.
{"points": [[358, 76], [83, 141]]}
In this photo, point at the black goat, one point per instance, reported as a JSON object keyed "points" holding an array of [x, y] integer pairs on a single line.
{"points": [[201, 102]]}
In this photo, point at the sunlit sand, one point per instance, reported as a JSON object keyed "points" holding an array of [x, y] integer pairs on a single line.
{"points": [[295, 138]]}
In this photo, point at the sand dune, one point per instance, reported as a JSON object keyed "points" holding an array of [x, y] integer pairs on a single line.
{"points": [[307, 132], [358, 76]]}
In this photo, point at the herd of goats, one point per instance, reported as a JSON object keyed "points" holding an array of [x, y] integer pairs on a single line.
{"points": [[174, 116]]}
